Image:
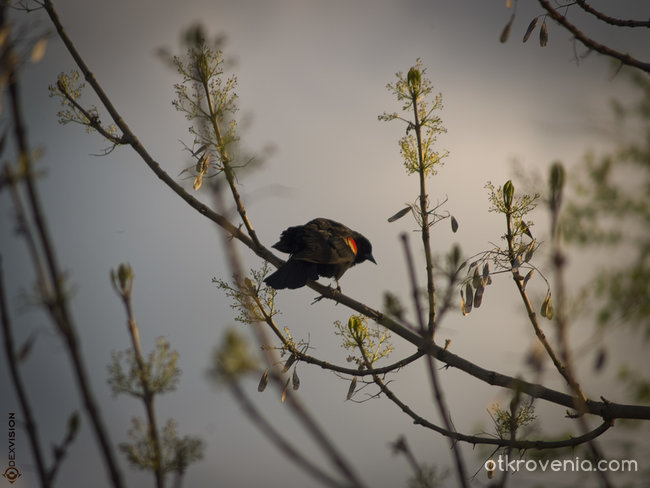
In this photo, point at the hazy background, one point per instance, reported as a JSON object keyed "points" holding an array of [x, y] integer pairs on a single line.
{"points": [[312, 79]]}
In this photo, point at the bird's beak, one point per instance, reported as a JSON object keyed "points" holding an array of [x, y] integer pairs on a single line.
{"points": [[371, 258]]}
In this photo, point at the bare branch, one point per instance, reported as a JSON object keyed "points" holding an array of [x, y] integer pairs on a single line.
{"points": [[591, 43]]}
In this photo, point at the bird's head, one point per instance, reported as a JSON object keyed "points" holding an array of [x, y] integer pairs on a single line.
{"points": [[364, 250]]}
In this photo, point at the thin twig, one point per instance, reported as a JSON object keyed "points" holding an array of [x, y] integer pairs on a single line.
{"points": [[12, 362], [56, 302], [276, 437], [591, 43]]}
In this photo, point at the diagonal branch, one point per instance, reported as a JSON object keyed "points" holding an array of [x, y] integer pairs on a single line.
{"points": [[609, 19], [12, 360], [591, 43]]}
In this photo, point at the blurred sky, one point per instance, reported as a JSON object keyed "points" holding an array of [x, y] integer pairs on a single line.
{"points": [[312, 79]]}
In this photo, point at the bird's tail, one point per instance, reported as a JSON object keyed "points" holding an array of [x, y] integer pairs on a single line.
{"points": [[293, 274]]}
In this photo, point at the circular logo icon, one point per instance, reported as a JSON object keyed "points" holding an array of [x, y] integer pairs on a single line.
{"points": [[12, 474]]}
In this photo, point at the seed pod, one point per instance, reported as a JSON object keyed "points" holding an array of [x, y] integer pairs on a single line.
{"points": [[543, 35], [478, 296], [284, 390], [529, 275], [505, 33], [531, 28], [470, 297], [264, 380], [399, 214], [295, 381], [547, 306], [353, 386], [287, 365]]}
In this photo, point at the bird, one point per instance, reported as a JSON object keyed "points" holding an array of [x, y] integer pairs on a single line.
{"points": [[321, 247]]}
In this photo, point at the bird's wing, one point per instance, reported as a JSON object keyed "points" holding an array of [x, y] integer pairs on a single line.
{"points": [[322, 247]]}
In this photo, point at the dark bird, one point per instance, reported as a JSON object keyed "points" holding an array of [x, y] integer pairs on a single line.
{"points": [[321, 247]]}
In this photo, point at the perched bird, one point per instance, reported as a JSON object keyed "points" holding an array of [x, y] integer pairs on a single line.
{"points": [[321, 247]]}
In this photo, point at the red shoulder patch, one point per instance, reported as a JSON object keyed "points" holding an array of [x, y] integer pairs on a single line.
{"points": [[351, 244]]}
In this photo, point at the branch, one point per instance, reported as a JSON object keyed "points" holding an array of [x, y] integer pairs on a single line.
{"points": [[433, 373], [471, 439], [12, 360], [123, 286], [56, 300], [562, 368], [301, 356], [589, 42], [274, 436], [611, 20]]}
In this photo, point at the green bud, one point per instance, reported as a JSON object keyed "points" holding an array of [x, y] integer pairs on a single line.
{"points": [[123, 279], [414, 79], [508, 192]]}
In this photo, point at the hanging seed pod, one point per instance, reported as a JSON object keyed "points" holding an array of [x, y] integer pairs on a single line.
{"points": [[529, 275], [264, 380], [353, 386], [454, 224], [505, 33], [399, 214], [295, 381], [543, 35], [547, 306], [284, 390], [469, 293], [529, 251], [531, 28], [287, 365], [476, 278], [478, 296], [601, 359]]}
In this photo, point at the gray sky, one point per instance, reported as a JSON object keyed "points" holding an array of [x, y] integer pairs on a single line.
{"points": [[312, 79]]}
